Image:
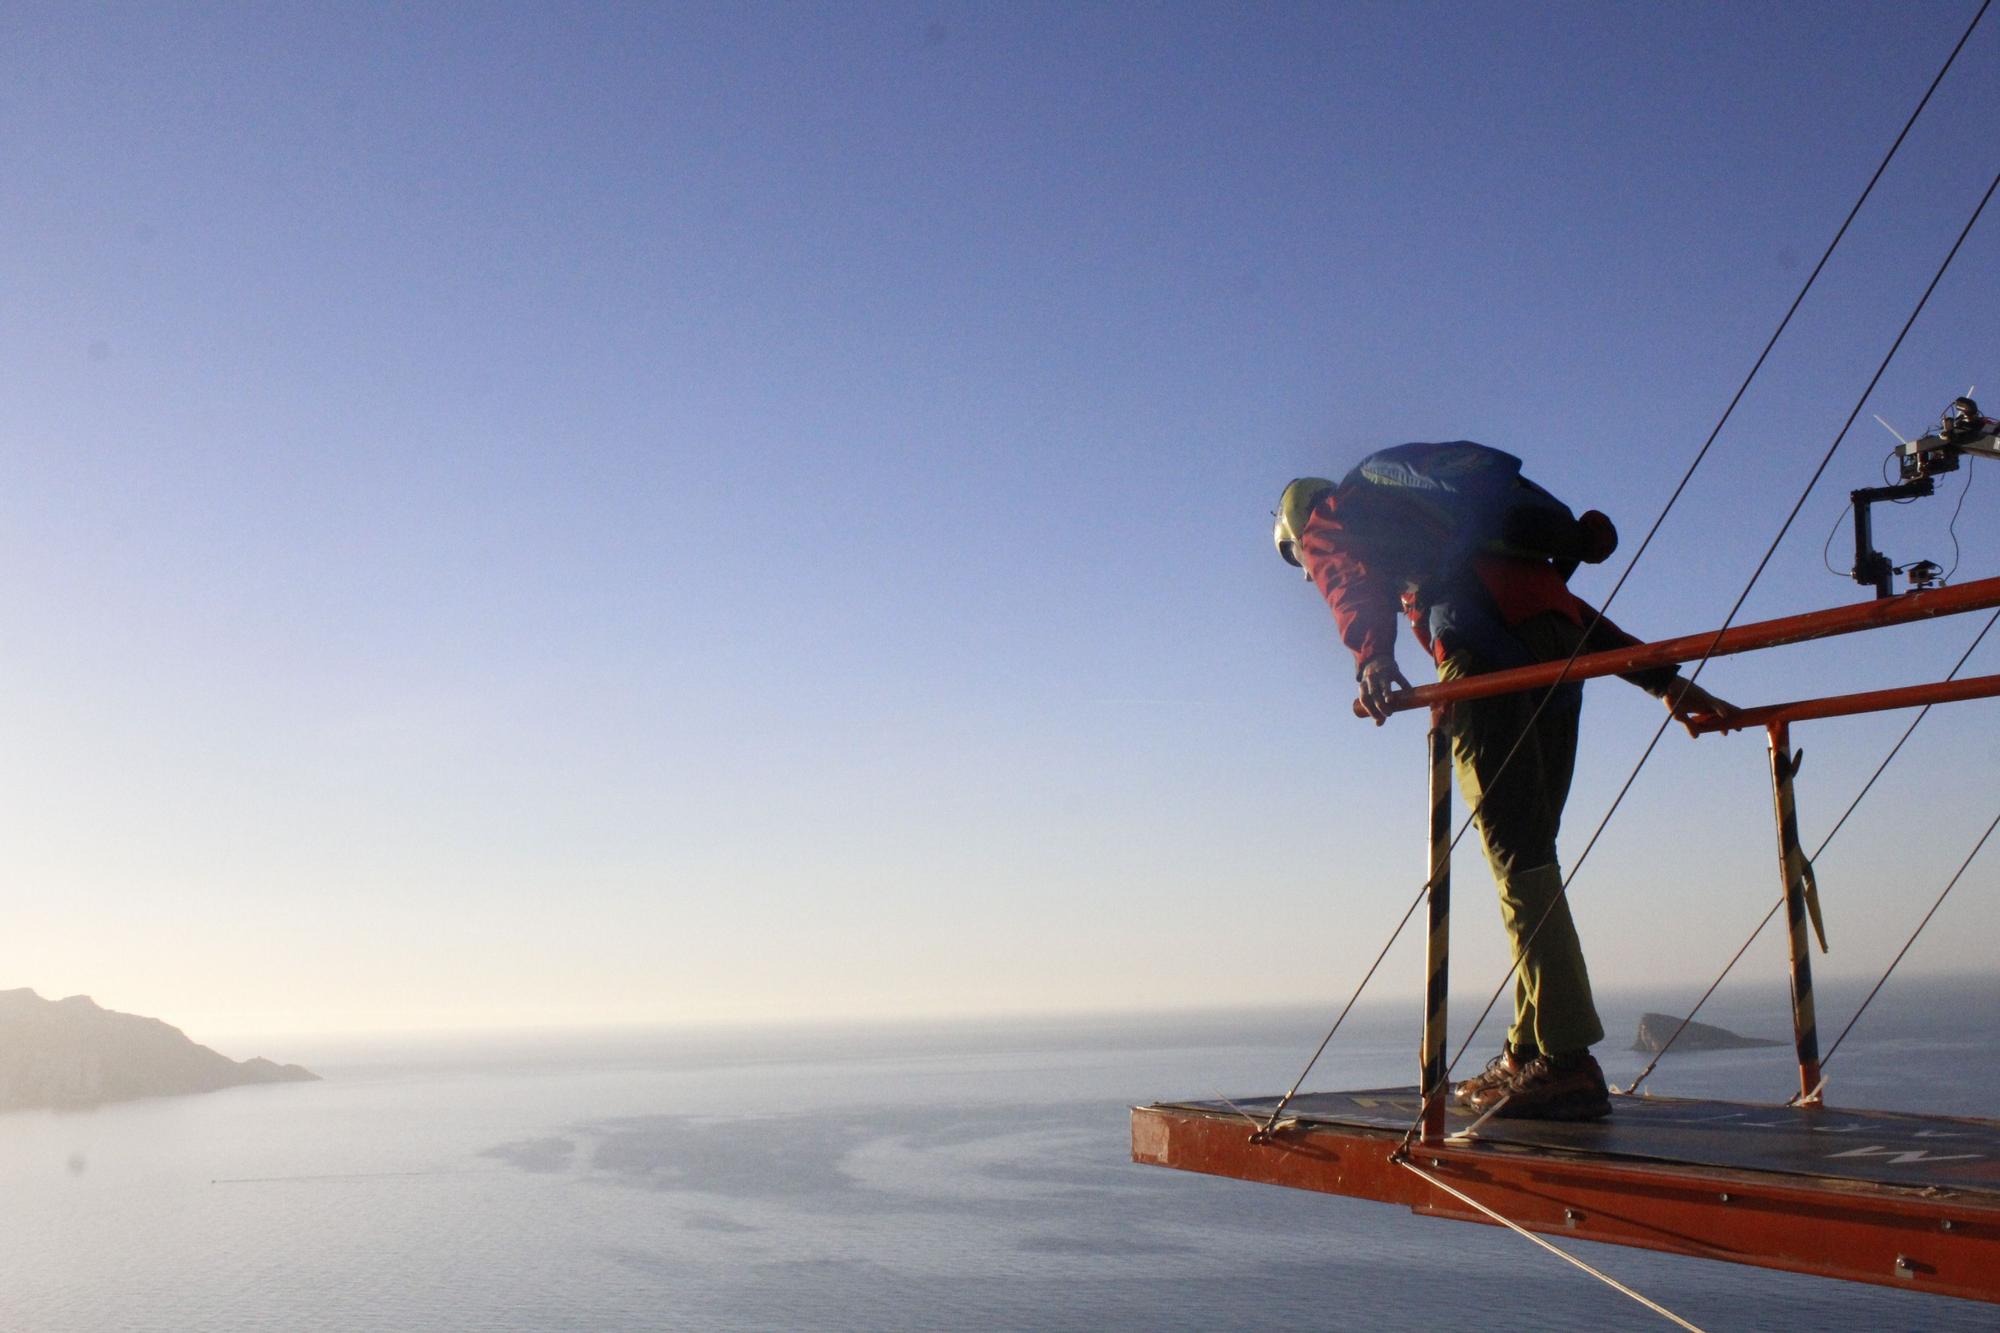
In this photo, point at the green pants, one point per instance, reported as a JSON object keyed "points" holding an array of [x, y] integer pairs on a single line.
{"points": [[1519, 814]]}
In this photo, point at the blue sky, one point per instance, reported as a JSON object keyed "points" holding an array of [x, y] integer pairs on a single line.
{"points": [[560, 514]]}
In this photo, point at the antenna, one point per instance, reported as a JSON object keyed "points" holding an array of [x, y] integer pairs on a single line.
{"points": [[1893, 431]]}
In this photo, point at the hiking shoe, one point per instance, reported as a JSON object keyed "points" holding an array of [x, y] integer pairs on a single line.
{"points": [[1569, 1087], [1511, 1061]]}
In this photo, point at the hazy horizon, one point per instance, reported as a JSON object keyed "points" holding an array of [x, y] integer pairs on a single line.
{"points": [[1752, 1005]]}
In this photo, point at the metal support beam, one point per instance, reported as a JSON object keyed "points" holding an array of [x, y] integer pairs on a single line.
{"points": [[1801, 901], [1438, 938]]}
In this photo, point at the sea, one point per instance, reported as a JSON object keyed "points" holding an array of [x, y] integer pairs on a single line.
{"points": [[885, 1177]]}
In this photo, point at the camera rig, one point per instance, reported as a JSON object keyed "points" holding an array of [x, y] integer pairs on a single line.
{"points": [[1961, 431]]}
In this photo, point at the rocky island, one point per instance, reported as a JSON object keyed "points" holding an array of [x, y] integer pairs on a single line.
{"points": [[1655, 1030], [73, 1053]]}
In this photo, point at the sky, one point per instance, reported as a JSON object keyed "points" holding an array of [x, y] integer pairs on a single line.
{"points": [[555, 515]]}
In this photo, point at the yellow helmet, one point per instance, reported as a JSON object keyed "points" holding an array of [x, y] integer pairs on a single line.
{"points": [[1293, 507]]}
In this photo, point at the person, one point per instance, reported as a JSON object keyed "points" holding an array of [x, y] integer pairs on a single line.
{"points": [[1478, 557]]}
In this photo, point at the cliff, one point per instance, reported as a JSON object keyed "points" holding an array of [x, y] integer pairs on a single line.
{"points": [[74, 1053]]}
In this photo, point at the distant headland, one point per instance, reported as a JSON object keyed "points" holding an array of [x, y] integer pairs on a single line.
{"points": [[1656, 1030], [73, 1053]]}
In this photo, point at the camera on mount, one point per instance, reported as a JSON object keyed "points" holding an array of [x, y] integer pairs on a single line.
{"points": [[1914, 461], [1962, 430]]}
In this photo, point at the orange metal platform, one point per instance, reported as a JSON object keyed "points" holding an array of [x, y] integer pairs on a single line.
{"points": [[1901, 1200]]}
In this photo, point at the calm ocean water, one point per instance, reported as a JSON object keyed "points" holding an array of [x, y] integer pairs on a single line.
{"points": [[973, 1177]]}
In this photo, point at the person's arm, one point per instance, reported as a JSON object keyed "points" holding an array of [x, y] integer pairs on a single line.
{"points": [[1365, 607], [1365, 603], [1685, 699]]}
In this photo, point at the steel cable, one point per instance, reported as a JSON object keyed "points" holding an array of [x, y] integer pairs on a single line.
{"points": [[1962, 868], [1551, 1247]]}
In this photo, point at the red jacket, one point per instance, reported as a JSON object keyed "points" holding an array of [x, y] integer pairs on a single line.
{"points": [[1370, 555]]}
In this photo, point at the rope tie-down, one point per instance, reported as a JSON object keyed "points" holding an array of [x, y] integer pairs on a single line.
{"points": [[1403, 1161]]}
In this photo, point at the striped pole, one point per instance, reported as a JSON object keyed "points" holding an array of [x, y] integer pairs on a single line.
{"points": [[1438, 956], [1801, 902]]}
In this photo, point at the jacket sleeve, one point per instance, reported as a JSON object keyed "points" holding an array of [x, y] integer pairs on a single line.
{"points": [[1365, 600], [1656, 681]]}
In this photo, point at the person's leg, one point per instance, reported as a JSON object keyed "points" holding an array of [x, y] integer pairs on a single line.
{"points": [[1554, 1002], [1519, 803], [1474, 726], [1552, 966]]}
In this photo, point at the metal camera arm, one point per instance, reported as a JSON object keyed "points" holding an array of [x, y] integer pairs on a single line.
{"points": [[1963, 431], [1871, 567]]}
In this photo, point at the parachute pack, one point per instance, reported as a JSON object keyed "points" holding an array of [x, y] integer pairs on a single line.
{"points": [[1477, 499]]}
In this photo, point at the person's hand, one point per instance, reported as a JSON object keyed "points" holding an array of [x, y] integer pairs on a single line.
{"points": [[1688, 701], [1380, 679]]}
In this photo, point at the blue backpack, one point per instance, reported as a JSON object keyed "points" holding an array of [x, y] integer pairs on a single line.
{"points": [[1476, 499]]}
